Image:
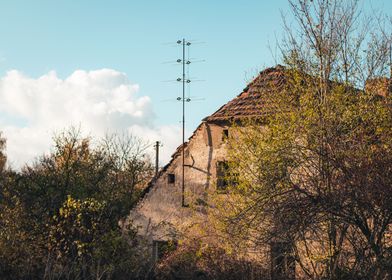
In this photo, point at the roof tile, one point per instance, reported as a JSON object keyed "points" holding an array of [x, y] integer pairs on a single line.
{"points": [[253, 101]]}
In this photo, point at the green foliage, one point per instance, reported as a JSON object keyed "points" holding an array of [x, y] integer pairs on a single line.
{"points": [[321, 169], [77, 228], [61, 217], [317, 173], [83, 242]]}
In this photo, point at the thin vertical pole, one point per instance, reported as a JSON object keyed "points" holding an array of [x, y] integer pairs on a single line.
{"points": [[157, 143], [183, 122]]}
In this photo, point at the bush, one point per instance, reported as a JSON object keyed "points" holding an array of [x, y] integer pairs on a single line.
{"points": [[195, 261]]}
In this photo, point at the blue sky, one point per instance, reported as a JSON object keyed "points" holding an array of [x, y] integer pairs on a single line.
{"points": [[38, 37]]}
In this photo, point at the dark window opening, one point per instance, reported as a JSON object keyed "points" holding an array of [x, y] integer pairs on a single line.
{"points": [[221, 171], [282, 261], [225, 134], [224, 177], [171, 178]]}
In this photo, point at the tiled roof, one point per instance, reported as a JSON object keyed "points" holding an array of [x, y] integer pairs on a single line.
{"points": [[253, 101]]}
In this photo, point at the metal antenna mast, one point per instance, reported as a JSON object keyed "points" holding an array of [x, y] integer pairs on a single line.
{"points": [[184, 62], [185, 79]]}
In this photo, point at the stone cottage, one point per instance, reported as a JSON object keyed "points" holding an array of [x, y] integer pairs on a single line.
{"points": [[167, 208], [163, 213]]}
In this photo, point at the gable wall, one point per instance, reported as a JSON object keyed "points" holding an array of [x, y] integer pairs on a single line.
{"points": [[160, 215]]}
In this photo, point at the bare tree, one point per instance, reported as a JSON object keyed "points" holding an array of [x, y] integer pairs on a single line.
{"points": [[3, 157], [318, 176]]}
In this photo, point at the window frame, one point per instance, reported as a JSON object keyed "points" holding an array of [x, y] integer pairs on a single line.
{"points": [[171, 178], [222, 171], [225, 134]]}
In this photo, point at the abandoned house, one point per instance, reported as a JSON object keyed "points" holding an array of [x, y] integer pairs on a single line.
{"points": [[163, 213], [166, 209]]}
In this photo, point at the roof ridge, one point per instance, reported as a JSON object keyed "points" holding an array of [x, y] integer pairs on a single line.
{"points": [[268, 70], [245, 105]]}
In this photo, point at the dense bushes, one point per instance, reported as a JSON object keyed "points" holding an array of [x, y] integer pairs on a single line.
{"points": [[59, 218], [193, 260]]}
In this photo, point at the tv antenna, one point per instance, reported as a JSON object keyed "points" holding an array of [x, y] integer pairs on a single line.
{"points": [[185, 80]]}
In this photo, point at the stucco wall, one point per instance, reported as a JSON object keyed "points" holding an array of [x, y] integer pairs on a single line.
{"points": [[160, 215]]}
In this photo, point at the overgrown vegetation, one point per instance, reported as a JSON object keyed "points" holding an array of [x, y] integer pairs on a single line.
{"points": [[317, 176], [195, 260], [61, 218], [312, 180]]}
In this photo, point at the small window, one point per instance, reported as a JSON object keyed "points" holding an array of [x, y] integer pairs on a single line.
{"points": [[282, 261], [171, 178], [222, 169], [225, 134], [224, 177]]}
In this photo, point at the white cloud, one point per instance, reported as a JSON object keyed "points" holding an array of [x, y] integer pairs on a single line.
{"points": [[100, 101]]}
